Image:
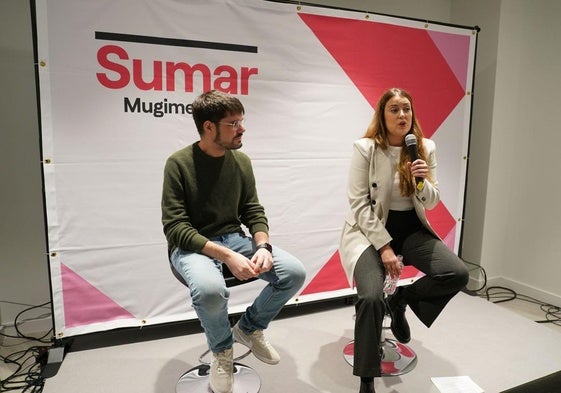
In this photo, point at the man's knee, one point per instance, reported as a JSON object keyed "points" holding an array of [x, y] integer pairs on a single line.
{"points": [[294, 272], [299, 274], [211, 297]]}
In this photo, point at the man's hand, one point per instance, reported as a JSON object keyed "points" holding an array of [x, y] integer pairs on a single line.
{"points": [[262, 260], [241, 267]]}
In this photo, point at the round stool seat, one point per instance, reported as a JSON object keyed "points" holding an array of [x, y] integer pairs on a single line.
{"points": [[397, 358], [196, 380]]}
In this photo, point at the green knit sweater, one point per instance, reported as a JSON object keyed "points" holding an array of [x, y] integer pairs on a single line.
{"points": [[206, 196]]}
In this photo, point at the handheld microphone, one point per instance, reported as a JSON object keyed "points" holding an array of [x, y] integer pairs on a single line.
{"points": [[411, 142]]}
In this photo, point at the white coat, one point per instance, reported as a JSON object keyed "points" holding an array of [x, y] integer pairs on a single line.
{"points": [[369, 192]]}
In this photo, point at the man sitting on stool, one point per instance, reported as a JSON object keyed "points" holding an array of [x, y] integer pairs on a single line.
{"points": [[208, 193]]}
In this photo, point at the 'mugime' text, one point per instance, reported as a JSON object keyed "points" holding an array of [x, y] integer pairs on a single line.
{"points": [[158, 108]]}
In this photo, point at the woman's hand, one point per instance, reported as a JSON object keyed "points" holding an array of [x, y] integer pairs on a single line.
{"points": [[391, 263], [419, 168]]}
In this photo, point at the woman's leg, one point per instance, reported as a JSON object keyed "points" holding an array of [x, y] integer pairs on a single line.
{"points": [[446, 275], [369, 277]]}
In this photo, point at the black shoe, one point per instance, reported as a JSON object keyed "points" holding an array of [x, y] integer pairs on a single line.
{"points": [[399, 326], [367, 387]]}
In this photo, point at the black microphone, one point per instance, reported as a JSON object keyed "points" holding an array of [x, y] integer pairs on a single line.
{"points": [[411, 142]]}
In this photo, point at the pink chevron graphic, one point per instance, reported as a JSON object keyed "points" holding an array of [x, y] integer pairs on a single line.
{"points": [[450, 239], [85, 304], [455, 49], [377, 56]]}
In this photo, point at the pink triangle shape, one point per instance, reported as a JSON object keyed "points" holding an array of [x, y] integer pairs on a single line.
{"points": [[450, 239], [455, 49], [85, 304]]}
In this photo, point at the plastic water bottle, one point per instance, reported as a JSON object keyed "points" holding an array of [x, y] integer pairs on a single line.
{"points": [[390, 284]]}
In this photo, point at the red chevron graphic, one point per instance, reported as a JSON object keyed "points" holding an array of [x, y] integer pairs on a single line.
{"points": [[441, 220], [330, 278], [377, 56]]}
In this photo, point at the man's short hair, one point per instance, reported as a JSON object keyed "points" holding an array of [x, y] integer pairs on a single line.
{"points": [[214, 105]]}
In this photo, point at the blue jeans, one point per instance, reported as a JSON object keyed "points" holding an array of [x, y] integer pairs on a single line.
{"points": [[209, 293]]}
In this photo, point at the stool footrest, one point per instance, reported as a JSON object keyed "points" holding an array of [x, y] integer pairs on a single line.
{"points": [[196, 380], [397, 358], [236, 359]]}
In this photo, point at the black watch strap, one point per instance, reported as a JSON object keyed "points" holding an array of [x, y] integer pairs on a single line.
{"points": [[266, 246]]}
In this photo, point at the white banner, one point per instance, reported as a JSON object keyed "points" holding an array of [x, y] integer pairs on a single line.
{"points": [[116, 82]]}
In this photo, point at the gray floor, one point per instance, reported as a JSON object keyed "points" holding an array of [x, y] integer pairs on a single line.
{"points": [[496, 347]]}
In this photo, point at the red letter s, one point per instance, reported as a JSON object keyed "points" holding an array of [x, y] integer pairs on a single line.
{"points": [[102, 58]]}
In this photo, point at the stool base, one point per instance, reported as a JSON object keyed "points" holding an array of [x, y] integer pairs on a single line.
{"points": [[196, 380], [397, 358]]}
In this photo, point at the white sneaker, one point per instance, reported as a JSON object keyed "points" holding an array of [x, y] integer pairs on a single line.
{"points": [[257, 343], [222, 372]]}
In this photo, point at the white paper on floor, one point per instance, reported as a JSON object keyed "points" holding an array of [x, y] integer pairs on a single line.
{"points": [[462, 384]]}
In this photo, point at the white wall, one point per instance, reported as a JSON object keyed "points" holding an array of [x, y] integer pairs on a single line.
{"points": [[511, 220], [522, 219]]}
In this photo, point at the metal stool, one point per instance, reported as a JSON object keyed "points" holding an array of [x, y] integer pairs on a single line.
{"points": [[397, 358], [196, 379]]}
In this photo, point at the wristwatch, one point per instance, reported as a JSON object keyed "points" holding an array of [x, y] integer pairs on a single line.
{"points": [[266, 246]]}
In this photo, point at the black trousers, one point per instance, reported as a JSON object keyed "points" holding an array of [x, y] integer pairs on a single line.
{"points": [[446, 275]]}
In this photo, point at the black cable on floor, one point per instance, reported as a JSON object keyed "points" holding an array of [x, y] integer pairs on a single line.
{"points": [[552, 314], [27, 376], [481, 271], [498, 294], [23, 336]]}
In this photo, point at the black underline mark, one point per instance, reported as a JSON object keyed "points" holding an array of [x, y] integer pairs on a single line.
{"points": [[144, 39]]}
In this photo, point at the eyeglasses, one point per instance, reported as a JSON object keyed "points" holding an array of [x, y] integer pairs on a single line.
{"points": [[236, 124]]}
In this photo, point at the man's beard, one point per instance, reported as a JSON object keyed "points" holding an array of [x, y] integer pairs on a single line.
{"points": [[228, 146]]}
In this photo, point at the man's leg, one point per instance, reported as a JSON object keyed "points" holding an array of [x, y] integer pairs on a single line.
{"points": [[210, 300], [209, 295], [284, 281]]}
